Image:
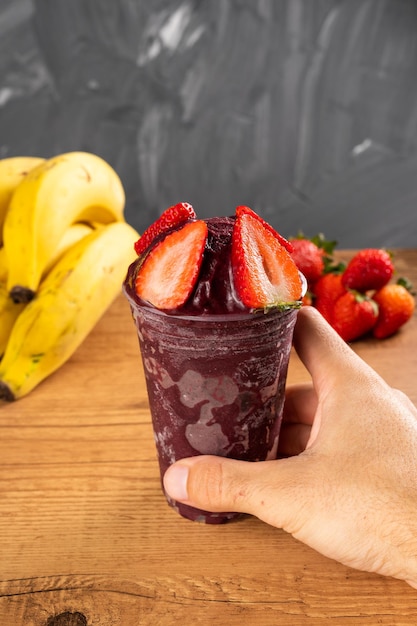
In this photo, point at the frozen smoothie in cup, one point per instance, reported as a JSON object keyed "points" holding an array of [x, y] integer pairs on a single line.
{"points": [[215, 303]]}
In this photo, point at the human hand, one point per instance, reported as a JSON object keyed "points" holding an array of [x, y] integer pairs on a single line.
{"points": [[350, 490]]}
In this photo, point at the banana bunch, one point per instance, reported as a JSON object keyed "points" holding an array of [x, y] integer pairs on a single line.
{"points": [[64, 254], [68, 188]]}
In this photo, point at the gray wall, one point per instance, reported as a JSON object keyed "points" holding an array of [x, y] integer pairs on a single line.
{"points": [[306, 110]]}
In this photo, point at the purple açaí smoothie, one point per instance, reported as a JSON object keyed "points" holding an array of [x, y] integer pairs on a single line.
{"points": [[215, 370]]}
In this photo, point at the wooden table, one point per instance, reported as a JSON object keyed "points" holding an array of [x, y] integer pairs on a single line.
{"points": [[87, 538]]}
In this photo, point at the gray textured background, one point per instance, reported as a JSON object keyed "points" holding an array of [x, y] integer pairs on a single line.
{"points": [[306, 110]]}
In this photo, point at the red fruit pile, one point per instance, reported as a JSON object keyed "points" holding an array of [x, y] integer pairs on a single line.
{"points": [[357, 298]]}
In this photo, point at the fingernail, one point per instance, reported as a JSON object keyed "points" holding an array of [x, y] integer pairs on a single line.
{"points": [[175, 482]]}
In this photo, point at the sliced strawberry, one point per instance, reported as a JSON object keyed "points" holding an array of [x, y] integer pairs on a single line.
{"points": [[245, 210], [170, 271], [264, 273], [172, 217]]}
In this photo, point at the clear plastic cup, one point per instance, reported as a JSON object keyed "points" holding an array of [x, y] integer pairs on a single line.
{"points": [[215, 386]]}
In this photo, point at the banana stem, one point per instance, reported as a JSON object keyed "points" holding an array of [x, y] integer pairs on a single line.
{"points": [[21, 294], [6, 393]]}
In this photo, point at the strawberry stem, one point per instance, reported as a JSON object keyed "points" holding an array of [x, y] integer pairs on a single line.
{"points": [[407, 284]]}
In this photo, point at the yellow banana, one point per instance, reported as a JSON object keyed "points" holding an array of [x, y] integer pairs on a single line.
{"points": [[68, 188], [3, 266], [74, 233], [12, 171], [69, 302], [9, 312]]}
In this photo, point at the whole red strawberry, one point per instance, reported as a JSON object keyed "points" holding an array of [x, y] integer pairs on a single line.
{"points": [[396, 306], [171, 218], [327, 290], [309, 259], [369, 269], [354, 315]]}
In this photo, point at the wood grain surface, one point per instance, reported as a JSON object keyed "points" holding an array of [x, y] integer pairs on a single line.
{"points": [[87, 538]]}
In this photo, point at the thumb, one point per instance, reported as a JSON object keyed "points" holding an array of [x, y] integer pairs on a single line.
{"points": [[266, 489]]}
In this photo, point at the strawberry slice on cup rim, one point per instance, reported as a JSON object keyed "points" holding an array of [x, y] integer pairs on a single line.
{"points": [[245, 210], [170, 270], [264, 272]]}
